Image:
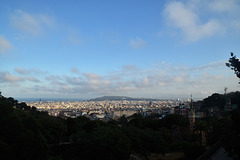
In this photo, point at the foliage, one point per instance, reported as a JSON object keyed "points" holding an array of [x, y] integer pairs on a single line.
{"points": [[215, 100], [20, 136], [172, 120], [234, 64], [231, 139], [31, 134], [235, 97], [122, 120], [192, 151]]}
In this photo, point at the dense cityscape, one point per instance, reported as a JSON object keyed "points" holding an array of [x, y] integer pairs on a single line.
{"points": [[106, 109]]}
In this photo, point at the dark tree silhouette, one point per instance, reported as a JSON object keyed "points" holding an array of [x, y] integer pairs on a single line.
{"points": [[234, 64]]}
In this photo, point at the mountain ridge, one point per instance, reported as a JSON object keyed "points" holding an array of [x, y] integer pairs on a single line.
{"points": [[121, 98]]}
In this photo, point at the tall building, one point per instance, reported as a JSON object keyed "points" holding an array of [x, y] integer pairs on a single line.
{"points": [[191, 117]]}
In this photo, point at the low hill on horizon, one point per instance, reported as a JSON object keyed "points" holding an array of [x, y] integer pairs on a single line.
{"points": [[121, 98]]}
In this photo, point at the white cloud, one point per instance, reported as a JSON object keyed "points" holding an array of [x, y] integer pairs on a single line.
{"points": [[33, 24], [95, 80], [32, 79], [11, 79], [212, 65], [146, 82], [92, 76], [137, 43], [182, 16], [22, 71], [5, 45], [7, 77], [165, 81], [181, 78], [224, 5], [73, 80], [55, 80], [228, 12]]}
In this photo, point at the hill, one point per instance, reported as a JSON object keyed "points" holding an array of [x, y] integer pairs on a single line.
{"points": [[121, 98]]}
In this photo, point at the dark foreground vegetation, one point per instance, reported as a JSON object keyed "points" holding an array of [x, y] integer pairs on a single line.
{"points": [[26, 133]]}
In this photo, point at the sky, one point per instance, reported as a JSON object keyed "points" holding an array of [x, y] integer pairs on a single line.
{"points": [[137, 48]]}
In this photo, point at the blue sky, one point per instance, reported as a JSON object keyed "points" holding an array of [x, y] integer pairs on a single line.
{"points": [[137, 48]]}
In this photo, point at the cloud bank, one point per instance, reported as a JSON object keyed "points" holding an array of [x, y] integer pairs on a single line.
{"points": [[164, 81]]}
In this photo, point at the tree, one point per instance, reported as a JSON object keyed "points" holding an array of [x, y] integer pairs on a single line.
{"points": [[215, 99], [231, 138], [234, 64], [123, 120]]}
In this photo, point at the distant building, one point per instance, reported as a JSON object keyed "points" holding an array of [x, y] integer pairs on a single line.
{"points": [[182, 110], [150, 104], [191, 117], [229, 106], [192, 120]]}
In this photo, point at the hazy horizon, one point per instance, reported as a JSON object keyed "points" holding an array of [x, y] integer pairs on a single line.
{"points": [[28, 99]]}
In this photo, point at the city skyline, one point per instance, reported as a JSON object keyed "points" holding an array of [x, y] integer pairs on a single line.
{"points": [[147, 49]]}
